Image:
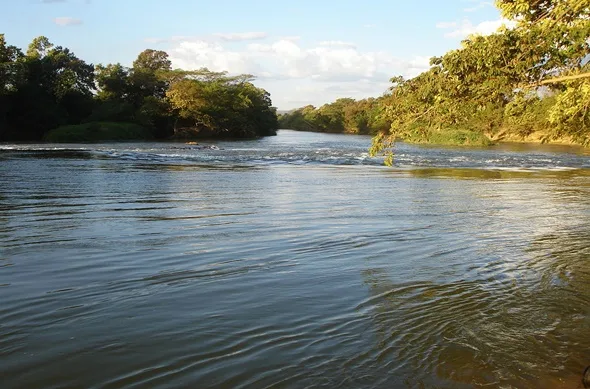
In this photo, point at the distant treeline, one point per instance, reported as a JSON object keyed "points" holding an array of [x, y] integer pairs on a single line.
{"points": [[342, 116], [48, 93], [528, 82]]}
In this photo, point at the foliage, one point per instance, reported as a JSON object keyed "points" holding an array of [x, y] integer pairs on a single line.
{"points": [[219, 104], [344, 115], [571, 113], [46, 88], [490, 86], [525, 115], [530, 79], [97, 131], [50, 87]]}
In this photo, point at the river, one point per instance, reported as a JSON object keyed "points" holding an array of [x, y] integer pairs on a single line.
{"points": [[294, 261]]}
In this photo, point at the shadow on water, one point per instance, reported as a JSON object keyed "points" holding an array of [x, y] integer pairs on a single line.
{"points": [[196, 167], [529, 330], [50, 154], [469, 173], [521, 147]]}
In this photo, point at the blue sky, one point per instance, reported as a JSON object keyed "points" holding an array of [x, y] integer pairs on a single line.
{"points": [[302, 52]]}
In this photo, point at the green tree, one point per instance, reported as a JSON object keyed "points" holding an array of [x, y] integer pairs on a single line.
{"points": [[53, 87], [152, 60], [50, 87], [10, 75], [220, 105], [489, 87], [112, 82], [39, 47]]}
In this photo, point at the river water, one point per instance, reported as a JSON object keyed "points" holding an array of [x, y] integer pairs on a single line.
{"points": [[294, 261]]}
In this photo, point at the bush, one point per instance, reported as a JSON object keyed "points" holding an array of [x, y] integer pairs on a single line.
{"points": [[97, 131], [450, 136]]}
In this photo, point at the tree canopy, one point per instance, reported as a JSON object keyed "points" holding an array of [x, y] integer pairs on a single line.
{"points": [[344, 115], [50, 86], [491, 86]]}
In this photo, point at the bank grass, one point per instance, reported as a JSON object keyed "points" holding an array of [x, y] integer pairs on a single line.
{"points": [[98, 132], [459, 137], [450, 136]]}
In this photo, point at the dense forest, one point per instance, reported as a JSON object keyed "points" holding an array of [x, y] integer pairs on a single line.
{"points": [[345, 115], [49, 94], [527, 82]]}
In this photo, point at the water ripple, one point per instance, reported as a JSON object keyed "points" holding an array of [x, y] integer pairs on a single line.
{"points": [[295, 261]]}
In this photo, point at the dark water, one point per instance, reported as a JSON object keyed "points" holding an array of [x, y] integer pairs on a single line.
{"points": [[292, 262]]}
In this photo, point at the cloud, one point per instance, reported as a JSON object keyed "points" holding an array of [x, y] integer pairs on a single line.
{"points": [[241, 36], [283, 65], [67, 21], [190, 54], [466, 27]]}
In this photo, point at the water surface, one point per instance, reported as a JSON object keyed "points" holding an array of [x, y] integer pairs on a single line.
{"points": [[293, 261]]}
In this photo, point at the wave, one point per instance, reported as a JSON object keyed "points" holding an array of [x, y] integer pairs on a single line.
{"points": [[248, 153]]}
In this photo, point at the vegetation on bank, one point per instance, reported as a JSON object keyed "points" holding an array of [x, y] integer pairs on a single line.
{"points": [[342, 116], [531, 81], [98, 131], [48, 93]]}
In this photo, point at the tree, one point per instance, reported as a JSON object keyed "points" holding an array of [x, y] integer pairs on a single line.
{"points": [[489, 87], [112, 82], [50, 87], [9, 69], [39, 47], [345, 115], [10, 75], [564, 27], [152, 60], [216, 103]]}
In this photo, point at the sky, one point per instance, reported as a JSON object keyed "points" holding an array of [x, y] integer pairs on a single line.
{"points": [[302, 52]]}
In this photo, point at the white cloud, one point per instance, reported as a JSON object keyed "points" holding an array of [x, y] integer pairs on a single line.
{"points": [[241, 36], [284, 65], [331, 60], [466, 27], [67, 21], [212, 55]]}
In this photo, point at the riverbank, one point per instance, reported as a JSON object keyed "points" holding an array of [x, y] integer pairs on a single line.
{"points": [[461, 137], [98, 132], [124, 131], [538, 137]]}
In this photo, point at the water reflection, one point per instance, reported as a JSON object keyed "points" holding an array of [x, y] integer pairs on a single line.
{"points": [[471, 173], [285, 263], [527, 332]]}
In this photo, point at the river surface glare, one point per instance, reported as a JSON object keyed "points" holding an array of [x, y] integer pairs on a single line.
{"points": [[293, 261]]}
